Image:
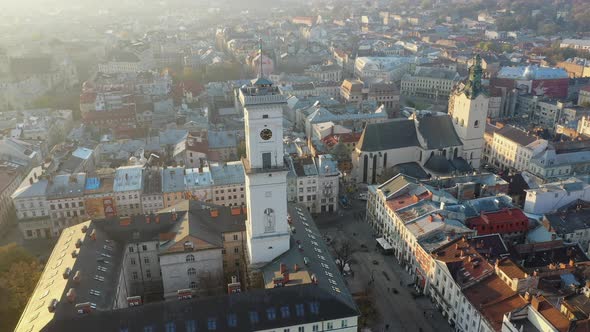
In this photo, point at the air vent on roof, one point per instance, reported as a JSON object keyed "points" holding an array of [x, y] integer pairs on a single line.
{"points": [[52, 305], [93, 234], [67, 272], [77, 277], [84, 229], [74, 253], [85, 307], [188, 245], [71, 295], [134, 301], [78, 243]]}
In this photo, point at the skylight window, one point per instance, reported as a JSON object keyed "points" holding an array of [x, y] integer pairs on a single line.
{"points": [[271, 314], [299, 310], [170, 327], [285, 312], [190, 326], [314, 307], [212, 324], [253, 317], [232, 320]]}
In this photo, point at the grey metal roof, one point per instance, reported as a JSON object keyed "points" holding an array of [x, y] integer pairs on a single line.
{"points": [[67, 185], [241, 312], [570, 219], [173, 180], [388, 135], [222, 139], [307, 244], [34, 190], [438, 131], [516, 135], [227, 173], [237, 312], [128, 178], [439, 164]]}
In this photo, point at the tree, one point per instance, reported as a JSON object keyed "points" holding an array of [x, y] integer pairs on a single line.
{"points": [[343, 252], [19, 273], [242, 149]]}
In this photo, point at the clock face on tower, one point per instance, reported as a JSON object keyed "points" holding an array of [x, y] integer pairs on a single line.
{"points": [[266, 134]]}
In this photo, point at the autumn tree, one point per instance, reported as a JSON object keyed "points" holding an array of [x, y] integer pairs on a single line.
{"points": [[19, 273]]}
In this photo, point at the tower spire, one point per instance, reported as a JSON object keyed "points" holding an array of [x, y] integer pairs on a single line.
{"points": [[260, 74], [473, 87]]}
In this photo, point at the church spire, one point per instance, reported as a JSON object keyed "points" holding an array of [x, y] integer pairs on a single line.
{"points": [[260, 73], [473, 87]]}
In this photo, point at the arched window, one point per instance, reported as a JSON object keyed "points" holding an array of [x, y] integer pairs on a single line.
{"points": [[190, 258], [462, 122], [455, 153], [476, 124], [444, 153], [374, 178], [385, 160], [420, 156], [191, 271], [193, 284]]}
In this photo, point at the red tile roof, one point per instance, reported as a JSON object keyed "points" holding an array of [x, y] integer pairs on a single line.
{"points": [[464, 262], [504, 221], [333, 139], [406, 200], [551, 313], [493, 298]]}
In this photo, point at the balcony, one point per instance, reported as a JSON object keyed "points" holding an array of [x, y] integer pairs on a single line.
{"points": [[256, 170]]}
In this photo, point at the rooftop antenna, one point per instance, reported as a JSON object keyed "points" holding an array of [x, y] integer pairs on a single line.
{"points": [[260, 55]]}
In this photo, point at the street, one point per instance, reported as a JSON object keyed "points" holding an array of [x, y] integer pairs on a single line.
{"points": [[392, 296]]}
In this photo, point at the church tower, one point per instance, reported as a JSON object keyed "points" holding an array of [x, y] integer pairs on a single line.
{"points": [[267, 229], [468, 107]]}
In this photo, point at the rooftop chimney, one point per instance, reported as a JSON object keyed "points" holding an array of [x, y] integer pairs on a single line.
{"points": [[67, 272], [134, 301], [71, 295], [527, 297], [52, 305], [535, 302]]}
